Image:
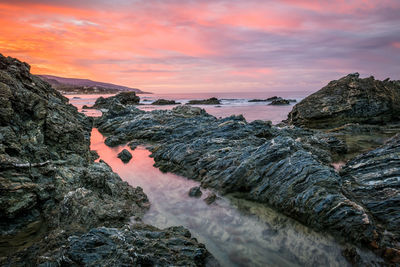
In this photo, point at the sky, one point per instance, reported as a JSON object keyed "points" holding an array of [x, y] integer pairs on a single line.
{"points": [[175, 46]]}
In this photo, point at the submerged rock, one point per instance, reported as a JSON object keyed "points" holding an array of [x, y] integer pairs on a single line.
{"points": [[211, 197], [195, 192], [164, 102], [210, 101], [349, 100], [125, 155]]}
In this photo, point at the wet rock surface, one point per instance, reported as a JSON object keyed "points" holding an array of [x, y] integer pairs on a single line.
{"points": [[51, 188], [125, 156], [349, 100], [164, 102], [286, 168], [195, 192], [210, 101]]}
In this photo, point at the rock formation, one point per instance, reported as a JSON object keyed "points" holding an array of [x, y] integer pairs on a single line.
{"points": [[349, 100], [123, 98], [52, 191], [125, 155], [210, 101]]}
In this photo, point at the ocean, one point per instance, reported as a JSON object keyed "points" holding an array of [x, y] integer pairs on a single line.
{"points": [[231, 103]]}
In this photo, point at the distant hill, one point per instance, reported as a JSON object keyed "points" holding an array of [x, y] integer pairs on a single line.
{"points": [[84, 86]]}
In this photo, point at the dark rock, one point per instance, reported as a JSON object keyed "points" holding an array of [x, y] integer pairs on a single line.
{"points": [[211, 197], [123, 98], [164, 102], [349, 100], [373, 179], [136, 245], [210, 101], [279, 102], [195, 192], [258, 100], [274, 98], [125, 156]]}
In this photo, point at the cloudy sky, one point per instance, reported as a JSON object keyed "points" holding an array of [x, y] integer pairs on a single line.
{"points": [[205, 45]]}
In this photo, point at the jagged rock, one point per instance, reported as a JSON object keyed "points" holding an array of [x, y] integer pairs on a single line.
{"points": [[285, 167], [195, 192], [210, 101], [164, 102], [373, 179], [125, 156], [349, 100]]}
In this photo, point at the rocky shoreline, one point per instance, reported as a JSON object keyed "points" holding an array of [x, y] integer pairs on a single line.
{"points": [[286, 167], [58, 206]]}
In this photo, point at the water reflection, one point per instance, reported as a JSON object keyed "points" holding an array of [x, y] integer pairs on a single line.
{"points": [[235, 231]]}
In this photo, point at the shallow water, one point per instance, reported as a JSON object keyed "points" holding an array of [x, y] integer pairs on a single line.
{"points": [[231, 104], [237, 232]]}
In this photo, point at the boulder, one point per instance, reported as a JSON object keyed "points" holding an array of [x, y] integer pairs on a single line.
{"points": [[350, 99], [195, 192], [123, 98], [125, 156]]}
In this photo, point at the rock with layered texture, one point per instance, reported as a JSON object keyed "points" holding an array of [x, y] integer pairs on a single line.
{"points": [[287, 168], [373, 180], [136, 245], [349, 100]]}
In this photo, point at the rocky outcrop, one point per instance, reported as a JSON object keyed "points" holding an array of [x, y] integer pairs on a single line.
{"points": [[373, 180], [125, 155], [136, 245], [50, 187], [349, 100], [286, 168], [210, 101], [161, 102], [123, 98]]}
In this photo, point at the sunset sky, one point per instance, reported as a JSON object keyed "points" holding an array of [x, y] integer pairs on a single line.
{"points": [[205, 45]]}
